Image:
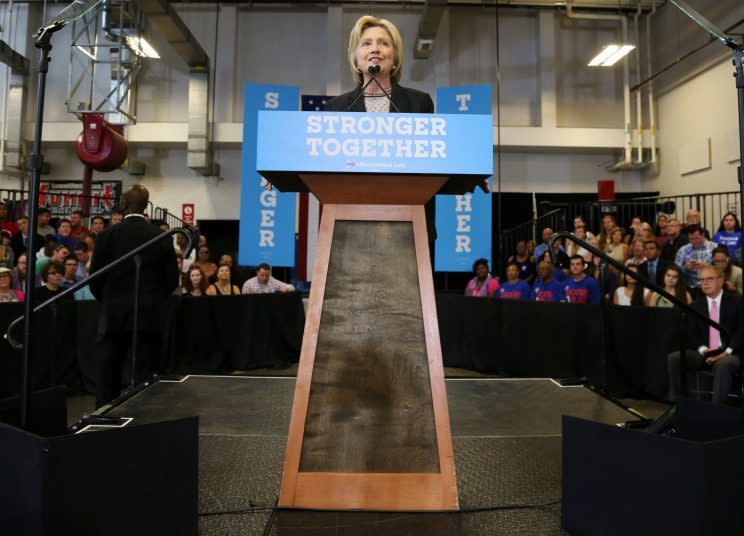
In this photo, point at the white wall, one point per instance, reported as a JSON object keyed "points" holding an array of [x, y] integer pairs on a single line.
{"points": [[700, 109]]}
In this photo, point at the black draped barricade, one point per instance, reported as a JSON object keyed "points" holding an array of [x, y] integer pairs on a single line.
{"points": [[626, 352]]}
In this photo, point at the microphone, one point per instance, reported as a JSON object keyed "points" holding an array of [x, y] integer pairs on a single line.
{"points": [[373, 70]]}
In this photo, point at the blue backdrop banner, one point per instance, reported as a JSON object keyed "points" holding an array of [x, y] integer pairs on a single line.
{"points": [[267, 218], [464, 221]]}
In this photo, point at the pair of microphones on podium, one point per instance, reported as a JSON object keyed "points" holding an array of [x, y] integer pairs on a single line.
{"points": [[373, 70]]}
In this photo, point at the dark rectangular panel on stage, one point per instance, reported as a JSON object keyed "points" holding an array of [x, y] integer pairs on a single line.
{"points": [[370, 407], [685, 481], [132, 480], [47, 415]]}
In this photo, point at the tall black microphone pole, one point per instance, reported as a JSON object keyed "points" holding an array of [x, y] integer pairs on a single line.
{"points": [[739, 74]]}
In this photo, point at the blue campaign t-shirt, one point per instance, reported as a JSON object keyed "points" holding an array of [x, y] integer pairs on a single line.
{"points": [[548, 292], [514, 291], [584, 291], [731, 241]]}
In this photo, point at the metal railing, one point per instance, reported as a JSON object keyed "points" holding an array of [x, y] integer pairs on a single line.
{"points": [[529, 230], [162, 214]]}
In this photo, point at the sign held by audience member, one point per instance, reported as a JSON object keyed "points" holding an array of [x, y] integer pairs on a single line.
{"points": [[267, 217], [463, 221]]}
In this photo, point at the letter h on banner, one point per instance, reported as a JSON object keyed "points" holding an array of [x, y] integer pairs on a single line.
{"points": [[267, 218], [463, 221]]}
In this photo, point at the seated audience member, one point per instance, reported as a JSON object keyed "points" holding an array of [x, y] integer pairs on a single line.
{"points": [[203, 261], [694, 218], [70, 276], [605, 236], [675, 284], [264, 283], [695, 255], [6, 223], [654, 267], [572, 248], [7, 292], [660, 227], [579, 287], [48, 247], [547, 289], [523, 260], [632, 292], [60, 253], [579, 221], [179, 243], [731, 274], [561, 265], [531, 246], [726, 309], [180, 289], [18, 273], [637, 252], [82, 254], [736, 258], [223, 286], [195, 283], [77, 229], [589, 256], [97, 224], [64, 234], [7, 257], [115, 217], [675, 239], [541, 248], [647, 232], [19, 242], [164, 226], [43, 217], [51, 276], [634, 231], [729, 233], [83, 293], [514, 288], [617, 249]]}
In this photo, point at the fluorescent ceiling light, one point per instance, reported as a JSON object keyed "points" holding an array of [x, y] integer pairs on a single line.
{"points": [[610, 55], [141, 47]]}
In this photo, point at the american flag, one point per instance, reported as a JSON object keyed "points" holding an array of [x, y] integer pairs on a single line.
{"points": [[309, 212]]}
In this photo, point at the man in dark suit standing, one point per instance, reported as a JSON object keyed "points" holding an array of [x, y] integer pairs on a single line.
{"points": [[654, 267], [727, 310], [115, 292]]}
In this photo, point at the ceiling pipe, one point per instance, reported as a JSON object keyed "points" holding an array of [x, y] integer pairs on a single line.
{"points": [[627, 162], [651, 115], [428, 28], [639, 93]]}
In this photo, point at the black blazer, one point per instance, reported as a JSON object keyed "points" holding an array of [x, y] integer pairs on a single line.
{"points": [[661, 266], [19, 246], [115, 290], [407, 100], [731, 317]]}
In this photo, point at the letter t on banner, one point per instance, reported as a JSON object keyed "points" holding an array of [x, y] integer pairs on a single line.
{"points": [[267, 218], [463, 221]]}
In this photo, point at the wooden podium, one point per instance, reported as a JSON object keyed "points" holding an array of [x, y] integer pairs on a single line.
{"points": [[370, 425]]}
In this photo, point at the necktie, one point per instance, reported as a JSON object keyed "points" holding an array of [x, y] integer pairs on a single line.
{"points": [[652, 271], [714, 340]]}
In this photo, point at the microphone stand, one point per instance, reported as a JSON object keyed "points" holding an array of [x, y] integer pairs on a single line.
{"points": [[373, 70]]}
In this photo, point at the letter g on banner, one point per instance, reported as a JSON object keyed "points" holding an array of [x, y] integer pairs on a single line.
{"points": [[267, 218]]}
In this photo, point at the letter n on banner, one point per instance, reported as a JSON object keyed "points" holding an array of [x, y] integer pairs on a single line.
{"points": [[463, 221], [267, 218]]}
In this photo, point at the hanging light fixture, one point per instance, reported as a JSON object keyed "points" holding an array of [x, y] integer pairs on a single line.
{"points": [[610, 55]]}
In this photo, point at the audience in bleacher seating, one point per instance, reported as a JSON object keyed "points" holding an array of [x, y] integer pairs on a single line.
{"points": [[203, 261], [7, 256], [637, 252], [525, 263], [605, 235], [674, 283], [571, 247], [675, 239], [77, 229], [6, 223], [631, 292], [561, 264], [694, 218], [736, 258], [97, 224], [59, 254], [483, 285], [51, 276], [43, 217], [264, 282], [164, 226], [7, 292], [543, 246], [660, 229], [589, 256], [19, 272], [546, 288], [115, 217], [725, 308], [70, 276], [223, 286], [695, 255], [634, 230], [654, 267], [195, 283], [617, 249], [580, 287], [514, 288], [179, 243], [579, 221], [82, 254], [64, 234], [647, 232], [729, 233], [19, 242], [731, 274], [531, 245]]}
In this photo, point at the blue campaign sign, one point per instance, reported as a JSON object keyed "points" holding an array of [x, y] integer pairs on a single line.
{"points": [[267, 218], [464, 221], [352, 142]]}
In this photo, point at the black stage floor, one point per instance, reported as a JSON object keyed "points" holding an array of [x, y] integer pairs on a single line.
{"points": [[506, 435]]}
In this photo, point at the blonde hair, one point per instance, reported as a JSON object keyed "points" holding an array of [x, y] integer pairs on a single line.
{"points": [[368, 21]]}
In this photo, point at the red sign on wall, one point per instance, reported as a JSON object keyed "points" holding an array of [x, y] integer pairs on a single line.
{"points": [[187, 213]]}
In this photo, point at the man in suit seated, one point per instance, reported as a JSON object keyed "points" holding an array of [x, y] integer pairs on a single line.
{"points": [[654, 267], [115, 292], [727, 310]]}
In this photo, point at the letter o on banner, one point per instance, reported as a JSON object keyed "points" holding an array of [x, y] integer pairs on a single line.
{"points": [[366, 125]]}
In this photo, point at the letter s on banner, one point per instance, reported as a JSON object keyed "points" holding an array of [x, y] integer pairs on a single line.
{"points": [[272, 100]]}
